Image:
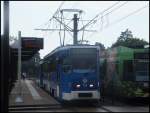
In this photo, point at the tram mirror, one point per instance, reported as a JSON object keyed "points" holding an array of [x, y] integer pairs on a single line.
{"points": [[67, 68], [48, 62], [59, 60]]}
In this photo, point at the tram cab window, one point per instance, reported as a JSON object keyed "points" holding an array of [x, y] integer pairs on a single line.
{"points": [[52, 65], [84, 58], [45, 67], [66, 61], [59, 60], [67, 68]]}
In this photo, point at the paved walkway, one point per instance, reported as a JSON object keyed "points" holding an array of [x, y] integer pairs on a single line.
{"points": [[33, 95], [30, 94], [33, 92]]}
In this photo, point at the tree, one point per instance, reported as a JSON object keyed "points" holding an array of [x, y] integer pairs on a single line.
{"points": [[126, 39], [12, 38], [102, 47], [30, 66]]}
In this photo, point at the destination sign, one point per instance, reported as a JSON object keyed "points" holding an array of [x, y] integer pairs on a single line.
{"points": [[32, 42]]}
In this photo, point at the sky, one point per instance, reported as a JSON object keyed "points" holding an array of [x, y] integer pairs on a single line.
{"points": [[25, 16]]}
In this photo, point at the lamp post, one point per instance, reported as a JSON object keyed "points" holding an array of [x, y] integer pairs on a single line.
{"points": [[19, 98]]}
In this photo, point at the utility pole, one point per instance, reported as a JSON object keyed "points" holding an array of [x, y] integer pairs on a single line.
{"points": [[75, 30], [19, 60], [19, 98], [5, 61]]}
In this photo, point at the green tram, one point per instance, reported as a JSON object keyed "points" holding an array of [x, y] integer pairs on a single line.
{"points": [[125, 72]]}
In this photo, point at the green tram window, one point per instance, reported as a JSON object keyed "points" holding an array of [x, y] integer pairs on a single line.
{"points": [[128, 72]]}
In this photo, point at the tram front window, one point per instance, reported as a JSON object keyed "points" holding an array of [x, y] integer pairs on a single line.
{"points": [[83, 58]]}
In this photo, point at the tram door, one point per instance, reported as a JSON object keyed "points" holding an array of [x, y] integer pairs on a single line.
{"points": [[41, 76], [58, 78]]}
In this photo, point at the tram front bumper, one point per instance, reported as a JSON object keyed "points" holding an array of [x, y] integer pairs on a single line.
{"points": [[81, 95]]}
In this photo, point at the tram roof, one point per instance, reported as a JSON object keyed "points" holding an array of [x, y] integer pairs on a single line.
{"points": [[71, 46]]}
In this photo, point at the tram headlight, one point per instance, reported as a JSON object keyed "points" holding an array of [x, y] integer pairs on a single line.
{"points": [[91, 85], [78, 85]]}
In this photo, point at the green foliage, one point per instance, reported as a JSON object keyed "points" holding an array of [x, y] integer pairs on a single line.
{"points": [[127, 88], [126, 39], [139, 92], [31, 66], [102, 47], [12, 38], [130, 89]]}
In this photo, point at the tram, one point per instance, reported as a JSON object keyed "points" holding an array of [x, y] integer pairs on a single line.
{"points": [[71, 73]]}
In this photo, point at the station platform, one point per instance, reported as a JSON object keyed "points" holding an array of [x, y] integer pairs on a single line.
{"points": [[34, 99], [30, 95]]}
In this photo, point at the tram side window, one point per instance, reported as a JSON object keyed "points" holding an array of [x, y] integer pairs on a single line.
{"points": [[66, 61], [128, 74], [52, 65], [117, 69], [45, 67]]}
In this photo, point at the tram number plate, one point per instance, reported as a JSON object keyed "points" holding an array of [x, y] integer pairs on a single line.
{"points": [[85, 94]]}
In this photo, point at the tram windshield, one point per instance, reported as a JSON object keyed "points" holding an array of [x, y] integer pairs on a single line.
{"points": [[83, 58]]}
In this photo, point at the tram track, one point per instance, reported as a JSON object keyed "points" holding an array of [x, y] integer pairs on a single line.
{"points": [[34, 107], [52, 108]]}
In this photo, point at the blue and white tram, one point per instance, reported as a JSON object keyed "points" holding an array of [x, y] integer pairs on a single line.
{"points": [[72, 73]]}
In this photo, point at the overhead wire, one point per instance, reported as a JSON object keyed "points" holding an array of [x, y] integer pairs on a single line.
{"points": [[64, 33], [102, 16], [99, 14], [67, 25], [102, 21], [130, 14], [116, 8], [83, 31], [107, 17], [62, 3], [71, 19], [58, 9], [72, 7], [94, 21], [60, 31]]}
